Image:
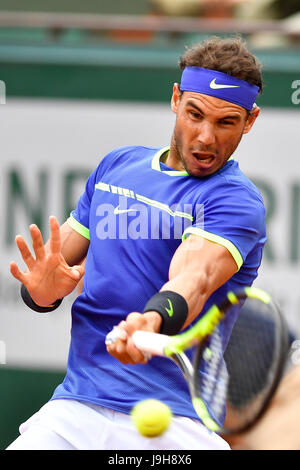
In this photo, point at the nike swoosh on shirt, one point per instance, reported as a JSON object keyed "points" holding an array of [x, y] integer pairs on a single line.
{"points": [[169, 310], [122, 211], [217, 86]]}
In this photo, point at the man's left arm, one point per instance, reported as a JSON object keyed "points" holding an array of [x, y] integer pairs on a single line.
{"points": [[198, 268]]}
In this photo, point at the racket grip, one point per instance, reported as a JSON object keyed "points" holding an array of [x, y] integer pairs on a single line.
{"points": [[151, 343]]}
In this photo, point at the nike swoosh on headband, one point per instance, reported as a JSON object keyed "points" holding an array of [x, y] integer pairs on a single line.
{"points": [[216, 86], [219, 84]]}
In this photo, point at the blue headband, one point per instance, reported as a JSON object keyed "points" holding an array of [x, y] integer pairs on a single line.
{"points": [[219, 84]]}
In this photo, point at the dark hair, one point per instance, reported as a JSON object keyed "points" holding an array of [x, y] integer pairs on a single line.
{"points": [[228, 55]]}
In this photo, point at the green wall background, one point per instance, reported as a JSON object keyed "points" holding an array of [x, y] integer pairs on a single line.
{"points": [[122, 72], [22, 393], [77, 6]]}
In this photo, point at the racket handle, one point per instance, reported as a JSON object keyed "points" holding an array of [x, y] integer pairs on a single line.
{"points": [[151, 343]]}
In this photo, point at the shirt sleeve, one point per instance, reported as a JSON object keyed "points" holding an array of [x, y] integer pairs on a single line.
{"points": [[79, 217], [232, 216]]}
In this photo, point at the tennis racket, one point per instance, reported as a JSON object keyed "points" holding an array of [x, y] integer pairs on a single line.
{"points": [[238, 382]]}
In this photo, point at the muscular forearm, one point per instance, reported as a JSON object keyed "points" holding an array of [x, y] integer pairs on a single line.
{"points": [[198, 268], [194, 287]]}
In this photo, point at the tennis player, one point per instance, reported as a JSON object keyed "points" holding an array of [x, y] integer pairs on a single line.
{"points": [[165, 232]]}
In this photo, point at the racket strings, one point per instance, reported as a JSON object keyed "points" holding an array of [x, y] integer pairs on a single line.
{"points": [[212, 377], [250, 355], [254, 358]]}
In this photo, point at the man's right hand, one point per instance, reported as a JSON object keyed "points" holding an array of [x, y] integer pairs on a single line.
{"points": [[48, 276]]}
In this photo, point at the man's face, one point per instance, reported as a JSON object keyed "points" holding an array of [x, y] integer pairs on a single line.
{"points": [[207, 131]]}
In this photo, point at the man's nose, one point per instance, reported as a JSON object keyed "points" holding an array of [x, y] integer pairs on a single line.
{"points": [[206, 134]]}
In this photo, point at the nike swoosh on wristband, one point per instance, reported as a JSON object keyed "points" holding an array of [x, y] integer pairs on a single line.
{"points": [[216, 86], [170, 310], [122, 211]]}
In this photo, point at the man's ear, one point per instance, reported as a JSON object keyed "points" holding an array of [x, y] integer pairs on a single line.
{"points": [[251, 119], [175, 98]]}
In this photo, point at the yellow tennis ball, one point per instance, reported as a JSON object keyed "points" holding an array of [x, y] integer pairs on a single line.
{"points": [[151, 417]]}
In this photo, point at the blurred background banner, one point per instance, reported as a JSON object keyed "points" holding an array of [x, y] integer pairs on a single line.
{"points": [[78, 82]]}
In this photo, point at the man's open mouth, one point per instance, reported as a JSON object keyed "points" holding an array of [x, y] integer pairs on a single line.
{"points": [[204, 158]]}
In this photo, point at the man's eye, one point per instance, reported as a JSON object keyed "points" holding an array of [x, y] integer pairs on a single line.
{"points": [[195, 115], [227, 123]]}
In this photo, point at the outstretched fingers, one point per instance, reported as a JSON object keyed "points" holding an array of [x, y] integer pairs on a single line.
{"points": [[16, 272], [37, 242], [55, 242], [25, 252]]}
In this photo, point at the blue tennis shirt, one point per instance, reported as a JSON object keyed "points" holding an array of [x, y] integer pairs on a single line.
{"points": [[136, 211]]}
